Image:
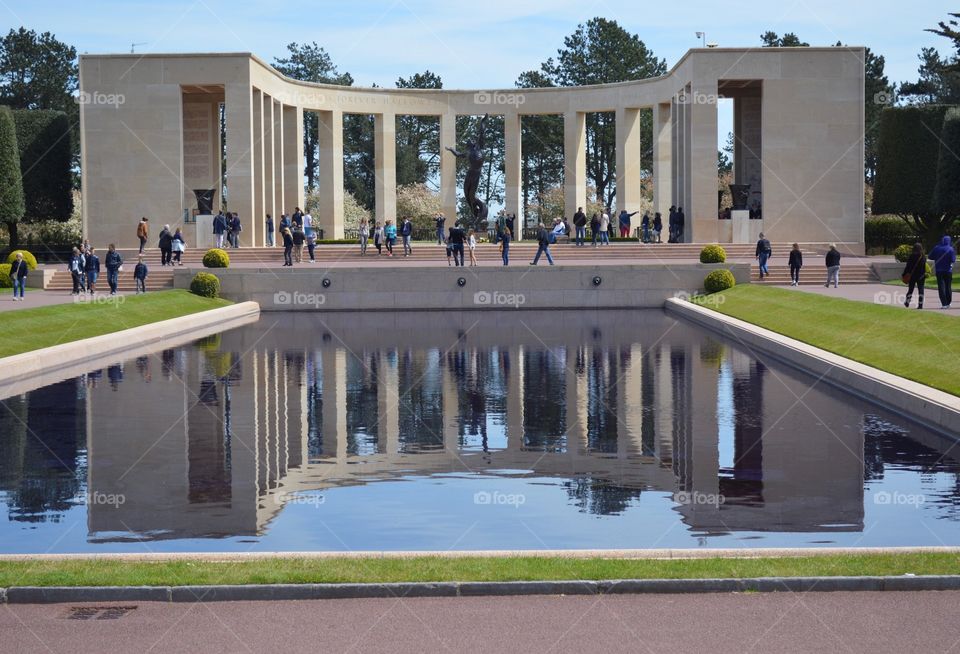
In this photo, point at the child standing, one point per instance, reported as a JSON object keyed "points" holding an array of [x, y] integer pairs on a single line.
{"points": [[140, 275]]}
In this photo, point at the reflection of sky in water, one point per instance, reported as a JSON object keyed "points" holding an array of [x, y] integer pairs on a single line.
{"points": [[574, 430]]}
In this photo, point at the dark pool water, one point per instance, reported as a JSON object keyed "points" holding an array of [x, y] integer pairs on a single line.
{"points": [[498, 430]]}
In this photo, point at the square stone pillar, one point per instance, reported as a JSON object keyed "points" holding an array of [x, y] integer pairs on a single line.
{"points": [[574, 162], [256, 215], [278, 168], [513, 186], [385, 156], [292, 162], [448, 168], [329, 214], [269, 187], [676, 155], [662, 159], [628, 161], [701, 203]]}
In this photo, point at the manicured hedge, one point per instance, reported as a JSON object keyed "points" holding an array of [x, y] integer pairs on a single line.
{"points": [[713, 254], [902, 253], [908, 147], [43, 138], [216, 258], [11, 186], [947, 191], [205, 285], [5, 281], [719, 280], [27, 256]]}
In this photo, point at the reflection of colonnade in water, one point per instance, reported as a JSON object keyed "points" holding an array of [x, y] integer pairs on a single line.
{"points": [[676, 414]]}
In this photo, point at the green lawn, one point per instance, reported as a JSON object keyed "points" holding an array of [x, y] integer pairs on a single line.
{"points": [[31, 329], [920, 345], [91, 572], [931, 282]]}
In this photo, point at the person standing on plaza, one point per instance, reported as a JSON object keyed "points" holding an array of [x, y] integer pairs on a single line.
{"points": [[140, 275], [298, 238], [287, 246], [580, 226], [657, 225], [625, 222], [268, 228], [505, 247], [179, 246], [18, 275], [219, 229], [165, 243], [915, 274], [112, 262], [75, 267], [605, 228], [944, 256], [297, 218], [763, 253], [543, 245], [681, 219], [832, 261], [363, 232], [645, 228], [438, 222], [390, 234], [284, 223], [796, 263], [511, 225], [378, 238], [456, 239], [406, 231], [235, 228], [92, 270], [472, 245], [595, 227], [143, 232], [672, 225], [309, 236]]}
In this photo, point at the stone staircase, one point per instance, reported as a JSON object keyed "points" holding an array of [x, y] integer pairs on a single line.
{"points": [[158, 278]]}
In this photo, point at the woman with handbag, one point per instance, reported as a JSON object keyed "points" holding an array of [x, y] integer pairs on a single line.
{"points": [[915, 274], [178, 245]]}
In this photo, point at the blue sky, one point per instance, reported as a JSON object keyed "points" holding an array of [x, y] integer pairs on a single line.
{"points": [[470, 45]]}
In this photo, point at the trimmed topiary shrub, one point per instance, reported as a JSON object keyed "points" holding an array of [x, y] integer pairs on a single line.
{"points": [[27, 256], [205, 285], [5, 281], [902, 253], [713, 254], [719, 280], [216, 258]]}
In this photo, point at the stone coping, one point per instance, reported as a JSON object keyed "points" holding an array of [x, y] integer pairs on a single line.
{"points": [[929, 406], [661, 553], [30, 370]]}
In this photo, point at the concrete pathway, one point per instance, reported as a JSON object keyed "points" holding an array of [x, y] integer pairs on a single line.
{"points": [[765, 622], [36, 297], [883, 294]]}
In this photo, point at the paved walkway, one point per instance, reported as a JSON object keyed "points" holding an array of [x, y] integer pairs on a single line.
{"points": [[764, 622], [893, 295], [36, 297]]}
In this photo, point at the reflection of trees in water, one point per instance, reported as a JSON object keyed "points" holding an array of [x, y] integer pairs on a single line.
{"points": [[481, 388], [42, 442], [544, 395], [362, 408], [603, 376], [600, 496], [421, 400]]}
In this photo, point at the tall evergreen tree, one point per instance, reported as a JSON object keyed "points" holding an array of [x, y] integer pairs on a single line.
{"points": [[418, 137], [11, 186]]}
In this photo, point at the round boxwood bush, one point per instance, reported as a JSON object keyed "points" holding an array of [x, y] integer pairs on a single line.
{"points": [[216, 258], [713, 254], [902, 253], [719, 280], [205, 285], [5, 281], [27, 256]]}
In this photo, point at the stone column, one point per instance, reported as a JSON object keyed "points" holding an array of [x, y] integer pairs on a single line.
{"points": [[238, 105], [448, 168], [269, 193], [628, 162], [662, 159], [329, 215], [385, 155], [248, 219], [701, 202], [292, 161], [574, 162], [278, 168], [513, 186]]}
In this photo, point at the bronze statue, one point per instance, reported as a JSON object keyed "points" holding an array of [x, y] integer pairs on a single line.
{"points": [[471, 182]]}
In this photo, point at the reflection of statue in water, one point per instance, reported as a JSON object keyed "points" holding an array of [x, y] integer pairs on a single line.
{"points": [[471, 182]]}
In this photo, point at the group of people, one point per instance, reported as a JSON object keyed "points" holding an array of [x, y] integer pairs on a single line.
{"points": [[228, 226], [172, 245], [295, 231], [942, 258], [764, 252], [84, 267]]}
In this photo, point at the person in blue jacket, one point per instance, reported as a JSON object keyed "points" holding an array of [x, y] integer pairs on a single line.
{"points": [[943, 257], [140, 274], [18, 275], [92, 268], [406, 231], [113, 261]]}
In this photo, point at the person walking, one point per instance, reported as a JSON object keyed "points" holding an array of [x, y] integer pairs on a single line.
{"points": [[763, 253], [438, 222], [298, 238], [219, 229], [390, 233], [595, 227], [406, 231], [18, 275], [92, 270], [456, 239], [143, 232], [657, 225], [378, 238], [472, 245], [75, 267], [832, 261], [309, 236], [580, 225], [166, 245], [625, 222], [235, 228], [605, 228], [796, 263], [179, 246], [645, 228], [112, 262], [915, 274], [680, 221], [364, 234], [543, 245], [140, 275], [505, 247], [268, 228], [672, 225], [287, 247], [943, 257]]}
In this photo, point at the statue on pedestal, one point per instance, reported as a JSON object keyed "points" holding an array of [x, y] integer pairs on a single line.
{"points": [[471, 182]]}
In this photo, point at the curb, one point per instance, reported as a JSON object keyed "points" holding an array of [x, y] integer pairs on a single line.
{"points": [[287, 592]]}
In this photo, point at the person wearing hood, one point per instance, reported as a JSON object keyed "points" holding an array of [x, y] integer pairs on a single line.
{"points": [[943, 257]]}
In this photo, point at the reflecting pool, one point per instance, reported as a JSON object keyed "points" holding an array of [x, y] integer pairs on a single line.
{"points": [[459, 430]]}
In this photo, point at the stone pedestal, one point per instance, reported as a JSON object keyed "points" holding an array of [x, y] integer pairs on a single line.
{"points": [[740, 226], [205, 238]]}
